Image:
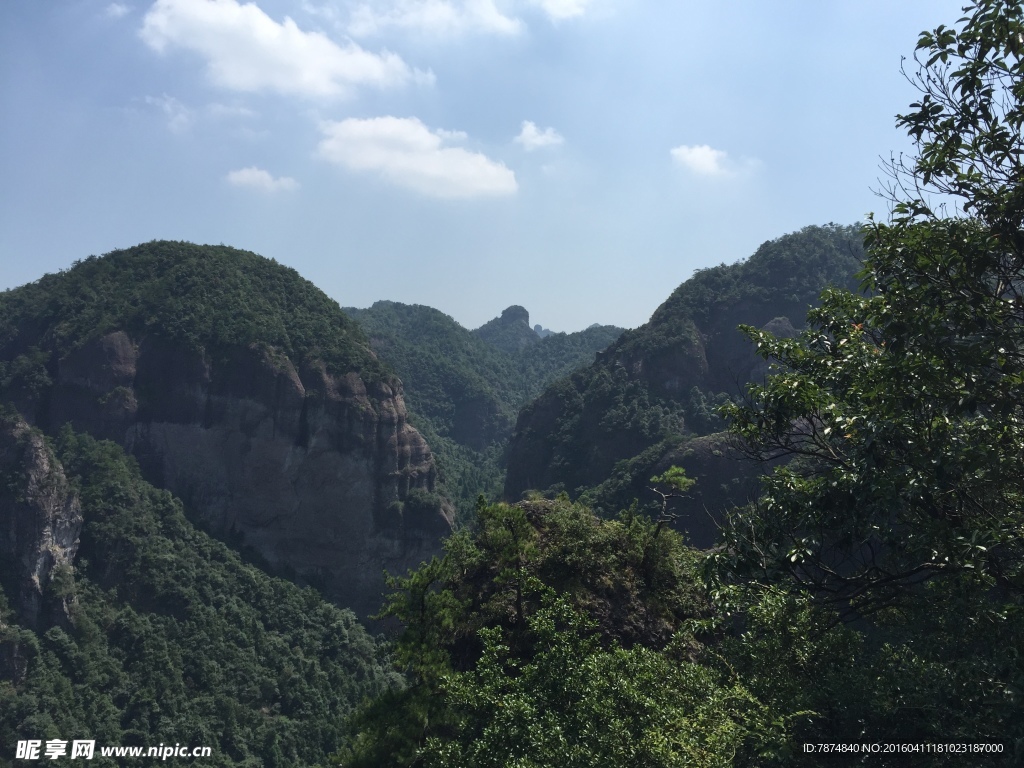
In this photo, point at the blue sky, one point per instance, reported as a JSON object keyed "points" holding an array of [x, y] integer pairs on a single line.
{"points": [[578, 157]]}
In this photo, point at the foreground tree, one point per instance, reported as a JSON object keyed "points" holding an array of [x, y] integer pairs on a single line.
{"points": [[902, 411], [904, 405], [548, 637]]}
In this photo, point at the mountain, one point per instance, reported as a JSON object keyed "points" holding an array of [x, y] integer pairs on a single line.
{"points": [[244, 390], [121, 622], [464, 388], [511, 332], [648, 400]]}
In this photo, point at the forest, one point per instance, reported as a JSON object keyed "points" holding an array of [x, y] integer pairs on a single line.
{"points": [[781, 524]]}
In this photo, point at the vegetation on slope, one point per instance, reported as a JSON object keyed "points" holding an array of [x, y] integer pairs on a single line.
{"points": [[551, 637], [873, 596], [464, 388], [511, 332], [173, 639], [208, 297], [632, 412]]}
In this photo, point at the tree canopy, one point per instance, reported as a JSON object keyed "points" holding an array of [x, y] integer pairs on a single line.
{"points": [[173, 638]]}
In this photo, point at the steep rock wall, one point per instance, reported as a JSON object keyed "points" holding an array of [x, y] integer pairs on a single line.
{"points": [[40, 519], [308, 469]]}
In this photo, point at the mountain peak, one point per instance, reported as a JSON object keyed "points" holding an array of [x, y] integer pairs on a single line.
{"points": [[514, 314]]}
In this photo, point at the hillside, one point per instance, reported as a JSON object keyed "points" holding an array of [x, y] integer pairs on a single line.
{"points": [[140, 629], [243, 389], [648, 400], [464, 388]]}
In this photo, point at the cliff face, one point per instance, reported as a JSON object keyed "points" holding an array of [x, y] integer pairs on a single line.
{"points": [[40, 519], [310, 470], [243, 390]]}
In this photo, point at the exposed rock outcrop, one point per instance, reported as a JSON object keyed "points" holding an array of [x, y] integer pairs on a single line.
{"points": [[40, 519], [309, 469]]}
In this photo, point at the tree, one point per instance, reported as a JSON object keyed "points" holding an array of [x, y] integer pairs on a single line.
{"points": [[967, 125], [901, 413], [573, 703], [903, 403], [671, 484], [548, 636]]}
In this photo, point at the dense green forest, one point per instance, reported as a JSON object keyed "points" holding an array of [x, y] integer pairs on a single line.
{"points": [[173, 638], [464, 388], [211, 296]]}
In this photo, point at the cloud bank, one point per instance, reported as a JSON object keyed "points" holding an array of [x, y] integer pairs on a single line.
{"points": [[446, 18], [563, 9], [246, 50], [408, 154]]}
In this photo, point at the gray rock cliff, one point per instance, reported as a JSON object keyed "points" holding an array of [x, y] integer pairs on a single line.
{"points": [[310, 470], [40, 519]]}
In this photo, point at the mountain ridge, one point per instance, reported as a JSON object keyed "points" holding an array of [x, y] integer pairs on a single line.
{"points": [[601, 433]]}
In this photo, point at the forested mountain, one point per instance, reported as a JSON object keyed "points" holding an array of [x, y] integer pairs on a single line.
{"points": [[121, 622], [464, 388], [242, 388], [649, 399]]}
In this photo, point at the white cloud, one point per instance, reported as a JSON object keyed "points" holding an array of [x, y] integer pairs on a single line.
{"points": [[442, 18], [532, 138], [407, 153], [246, 50], [257, 178], [117, 10], [702, 159], [179, 117], [563, 9]]}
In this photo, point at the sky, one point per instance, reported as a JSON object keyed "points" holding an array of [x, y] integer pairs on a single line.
{"points": [[580, 158]]}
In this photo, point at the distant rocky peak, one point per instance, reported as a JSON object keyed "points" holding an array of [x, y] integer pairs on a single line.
{"points": [[515, 313], [511, 332]]}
